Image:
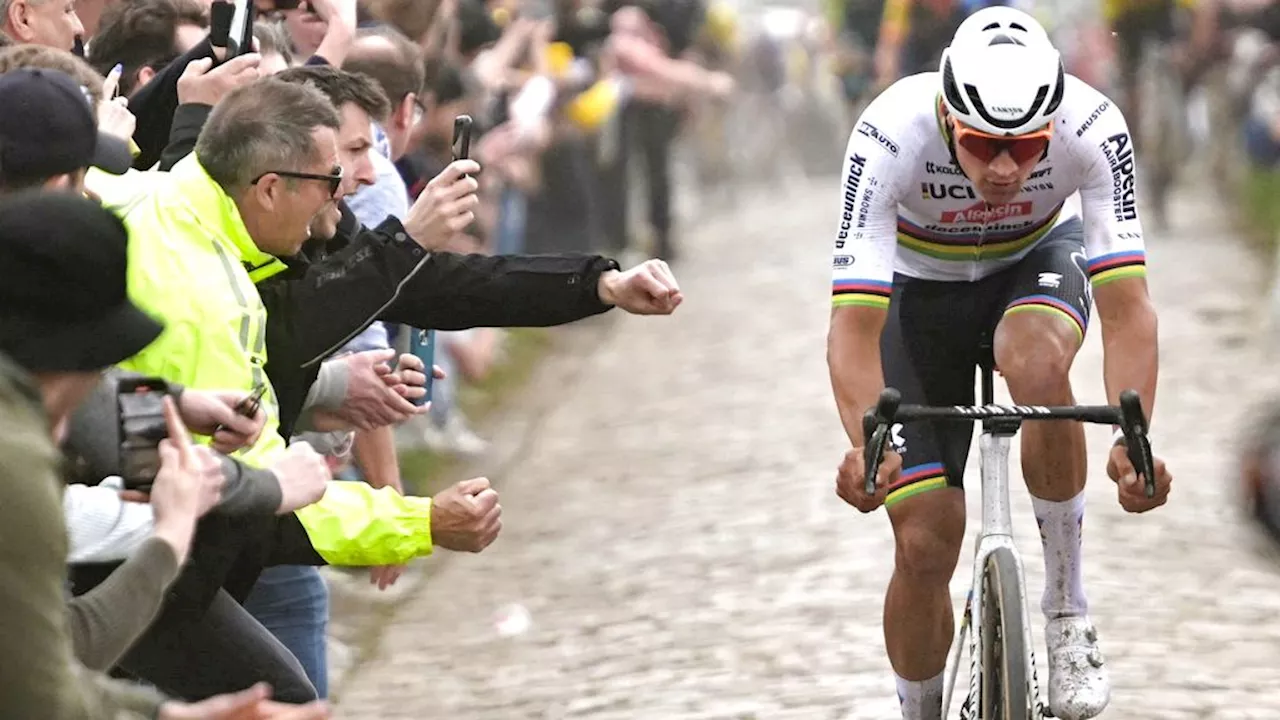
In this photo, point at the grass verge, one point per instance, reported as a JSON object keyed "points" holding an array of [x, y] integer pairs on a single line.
{"points": [[424, 472], [1260, 209], [360, 615]]}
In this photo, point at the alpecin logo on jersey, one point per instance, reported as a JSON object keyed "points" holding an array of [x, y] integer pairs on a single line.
{"points": [[874, 133], [980, 212], [1120, 158]]}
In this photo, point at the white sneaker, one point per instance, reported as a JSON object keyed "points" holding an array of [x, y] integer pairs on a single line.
{"points": [[1078, 685]]}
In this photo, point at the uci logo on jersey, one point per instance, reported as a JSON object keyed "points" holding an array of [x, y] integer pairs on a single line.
{"points": [[942, 192]]}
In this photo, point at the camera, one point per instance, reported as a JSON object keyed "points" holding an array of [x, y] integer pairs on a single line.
{"points": [[142, 427]]}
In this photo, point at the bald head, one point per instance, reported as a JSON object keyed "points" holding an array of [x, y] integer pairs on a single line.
{"points": [[391, 59], [394, 63], [377, 46]]}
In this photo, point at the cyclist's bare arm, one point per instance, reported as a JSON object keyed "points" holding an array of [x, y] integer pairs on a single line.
{"points": [[1117, 258], [863, 253], [1129, 339], [853, 359]]}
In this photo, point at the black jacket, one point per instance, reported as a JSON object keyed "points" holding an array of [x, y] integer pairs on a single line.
{"points": [[334, 291]]}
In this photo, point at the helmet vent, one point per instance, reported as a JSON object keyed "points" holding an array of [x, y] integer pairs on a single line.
{"points": [[1056, 100], [951, 90], [1003, 39]]}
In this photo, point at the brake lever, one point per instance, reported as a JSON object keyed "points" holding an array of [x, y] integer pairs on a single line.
{"points": [[875, 429], [874, 432], [1133, 422]]}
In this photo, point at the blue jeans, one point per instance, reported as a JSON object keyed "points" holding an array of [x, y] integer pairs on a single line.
{"points": [[292, 601], [1262, 148], [509, 232]]}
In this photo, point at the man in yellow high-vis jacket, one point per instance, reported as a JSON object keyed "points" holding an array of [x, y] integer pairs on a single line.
{"points": [[265, 166]]}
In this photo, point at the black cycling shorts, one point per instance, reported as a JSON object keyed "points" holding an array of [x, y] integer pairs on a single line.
{"points": [[934, 337]]}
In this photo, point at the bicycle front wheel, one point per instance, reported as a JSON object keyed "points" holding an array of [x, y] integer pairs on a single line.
{"points": [[1002, 635]]}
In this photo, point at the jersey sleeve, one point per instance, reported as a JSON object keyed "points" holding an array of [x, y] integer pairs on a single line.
{"points": [[866, 230], [1108, 190]]}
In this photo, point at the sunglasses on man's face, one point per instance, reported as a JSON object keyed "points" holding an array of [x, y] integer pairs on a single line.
{"points": [[987, 147], [334, 178]]}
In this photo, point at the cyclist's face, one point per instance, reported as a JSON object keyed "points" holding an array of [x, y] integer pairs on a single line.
{"points": [[998, 167]]}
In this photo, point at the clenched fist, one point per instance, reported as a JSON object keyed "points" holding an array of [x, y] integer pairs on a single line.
{"points": [[646, 289], [466, 517], [303, 475]]}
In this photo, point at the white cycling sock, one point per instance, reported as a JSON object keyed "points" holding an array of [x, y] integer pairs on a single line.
{"points": [[1060, 532], [920, 699]]}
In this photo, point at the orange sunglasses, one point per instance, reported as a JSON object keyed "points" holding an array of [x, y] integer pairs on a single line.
{"points": [[987, 147]]}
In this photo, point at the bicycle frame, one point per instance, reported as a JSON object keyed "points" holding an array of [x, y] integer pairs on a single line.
{"points": [[996, 532], [999, 425]]}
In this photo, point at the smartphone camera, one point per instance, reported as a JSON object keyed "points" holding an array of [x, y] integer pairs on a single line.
{"points": [[142, 427]]}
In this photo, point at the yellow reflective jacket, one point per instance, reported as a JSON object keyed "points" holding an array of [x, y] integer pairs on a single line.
{"points": [[192, 265]]}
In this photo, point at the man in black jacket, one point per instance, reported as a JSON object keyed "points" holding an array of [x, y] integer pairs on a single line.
{"points": [[337, 286]]}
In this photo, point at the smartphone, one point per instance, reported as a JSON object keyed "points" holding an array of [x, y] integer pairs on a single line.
{"points": [[240, 35], [142, 427], [220, 14], [422, 344], [248, 407], [462, 137]]}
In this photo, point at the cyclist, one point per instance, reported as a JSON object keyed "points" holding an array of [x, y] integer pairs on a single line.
{"points": [[957, 222]]}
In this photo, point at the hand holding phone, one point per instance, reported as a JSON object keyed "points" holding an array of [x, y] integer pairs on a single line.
{"points": [[248, 407], [422, 344]]}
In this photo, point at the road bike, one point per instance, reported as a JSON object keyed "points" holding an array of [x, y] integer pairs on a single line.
{"points": [[1002, 671]]}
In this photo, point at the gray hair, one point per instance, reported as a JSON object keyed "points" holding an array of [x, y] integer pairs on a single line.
{"points": [[272, 38], [263, 127]]}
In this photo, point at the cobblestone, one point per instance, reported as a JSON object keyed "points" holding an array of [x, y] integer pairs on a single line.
{"points": [[673, 531]]}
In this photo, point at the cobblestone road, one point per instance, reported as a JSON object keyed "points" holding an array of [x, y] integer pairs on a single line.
{"points": [[674, 534]]}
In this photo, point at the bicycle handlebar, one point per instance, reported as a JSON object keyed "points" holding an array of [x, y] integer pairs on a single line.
{"points": [[877, 422]]}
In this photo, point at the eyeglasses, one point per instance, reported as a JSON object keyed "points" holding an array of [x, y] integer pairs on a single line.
{"points": [[419, 111], [334, 179], [987, 147]]}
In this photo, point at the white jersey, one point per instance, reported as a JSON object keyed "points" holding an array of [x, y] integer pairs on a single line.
{"points": [[906, 208]]}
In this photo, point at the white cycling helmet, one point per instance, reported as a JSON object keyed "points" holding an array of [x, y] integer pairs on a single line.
{"points": [[1001, 74]]}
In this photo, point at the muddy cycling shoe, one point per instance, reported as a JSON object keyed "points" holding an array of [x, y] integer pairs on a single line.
{"points": [[1078, 685]]}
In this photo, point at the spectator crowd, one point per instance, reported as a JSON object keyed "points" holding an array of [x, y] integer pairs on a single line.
{"points": [[217, 262]]}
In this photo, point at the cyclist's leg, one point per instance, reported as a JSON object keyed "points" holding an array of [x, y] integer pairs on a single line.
{"points": [[928, 351], [1035, 344]]}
